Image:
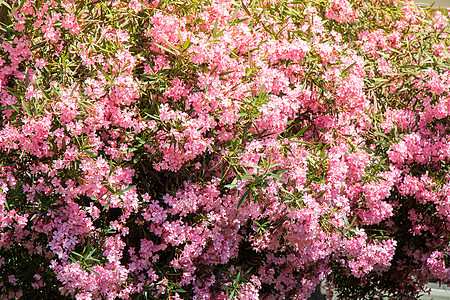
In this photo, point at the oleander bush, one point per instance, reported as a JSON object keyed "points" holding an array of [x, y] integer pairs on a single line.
{"points": [[223, 149]]}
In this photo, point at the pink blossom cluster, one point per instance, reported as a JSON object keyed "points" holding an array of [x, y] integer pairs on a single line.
{"points": [[223, 150]]}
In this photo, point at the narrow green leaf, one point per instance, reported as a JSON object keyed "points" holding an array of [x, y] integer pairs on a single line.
{"points": [[109, 188], [239, 21], [276, 176], [236, 10], [77, 254], [382, 135], [214, 70], [344, 216], [106, 205], [93, 271], [126, 190], [247, 192], [232, 294], [226, 73], [215, 28], [346, 70], [166, 49], [22, 2], [252, 166], [2, 2], [187, 44], [393, 50], [353, 221], [279, 171], [320, 195], [246, 9], [301, 132], [26, 108], [351, 145]]}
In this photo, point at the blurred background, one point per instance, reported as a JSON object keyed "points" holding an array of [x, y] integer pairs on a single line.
{"points": [[437, 3]]}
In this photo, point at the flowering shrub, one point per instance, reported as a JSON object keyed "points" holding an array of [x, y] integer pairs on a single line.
{"points": [[223, 149]]}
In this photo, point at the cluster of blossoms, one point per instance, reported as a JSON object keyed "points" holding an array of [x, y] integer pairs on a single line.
{"points": [[223, 149]]}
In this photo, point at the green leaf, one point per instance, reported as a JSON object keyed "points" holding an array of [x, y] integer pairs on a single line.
{"points": [[241, 201], [226, 73], [279, 171], [232, 294], [2, 2], [246, 9], [252, 166], [351, 145], [166, 49], [214, 70], [77, 254], [393, 50], [93, 271], [236, 10], [346, 70], [276, 176], [22, 2], [320, 195], [26, 108], [186, 44], [110, 189], [248, 176], [379, 133], [106, 205], [301, 132], [272, 34], [408, 67], [235, 22], [215, 28], [344, 216], [126, 190]]}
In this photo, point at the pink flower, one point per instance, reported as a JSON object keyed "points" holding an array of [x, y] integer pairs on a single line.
{"points": [[135, 5], [70, 23]]}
